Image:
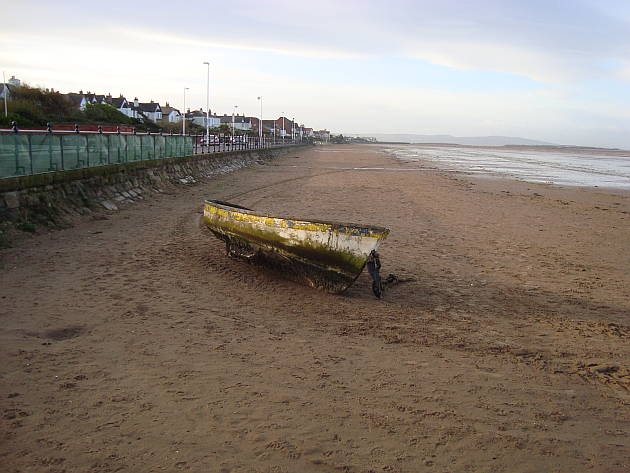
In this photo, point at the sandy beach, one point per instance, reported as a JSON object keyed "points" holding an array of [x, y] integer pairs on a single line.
{"points": [[131, 342]]}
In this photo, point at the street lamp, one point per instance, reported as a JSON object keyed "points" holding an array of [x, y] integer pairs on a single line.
{"points": [[208, 106], [282, 127], [4, 82], [184, 122], [292, 129], [260, 133], [233, 112]]}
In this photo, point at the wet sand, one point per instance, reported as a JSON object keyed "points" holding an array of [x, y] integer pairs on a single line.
{"points": [[130, 342]]}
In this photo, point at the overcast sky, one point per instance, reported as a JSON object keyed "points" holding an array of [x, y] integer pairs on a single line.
{"points": [[548, 70]]}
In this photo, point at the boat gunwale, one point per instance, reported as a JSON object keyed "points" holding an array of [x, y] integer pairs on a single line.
{"points": [[229, 207]]}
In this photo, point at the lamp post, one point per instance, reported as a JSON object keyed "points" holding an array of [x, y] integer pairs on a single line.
{"points": [[208, 106], [260, 130], [282, 127], [4, 82], [233, 112], [184, 122], [292, 129]]}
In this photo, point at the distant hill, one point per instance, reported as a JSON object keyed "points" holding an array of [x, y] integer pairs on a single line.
{"points": [[458, 140]]}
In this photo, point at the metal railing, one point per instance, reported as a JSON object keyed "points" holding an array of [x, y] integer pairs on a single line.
{"points": [[26, 152]]}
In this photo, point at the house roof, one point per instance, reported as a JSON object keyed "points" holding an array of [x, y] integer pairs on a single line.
{"points": [[267, 124], [76, 98], [167, 110], [151, 107], [94, 98], [195, 113], [119, 102], [5, 87], [237, 119]]}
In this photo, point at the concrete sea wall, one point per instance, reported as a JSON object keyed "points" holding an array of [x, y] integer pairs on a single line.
{"points": [[48, 200]]}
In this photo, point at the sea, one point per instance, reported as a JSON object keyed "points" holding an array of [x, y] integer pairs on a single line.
{"points": [[583, 167]]}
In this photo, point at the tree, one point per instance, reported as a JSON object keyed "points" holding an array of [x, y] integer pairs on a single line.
{"points": [[33, 106], [102, 113]]}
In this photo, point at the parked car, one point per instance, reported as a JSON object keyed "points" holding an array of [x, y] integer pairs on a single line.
{"points": [[209, 141]]}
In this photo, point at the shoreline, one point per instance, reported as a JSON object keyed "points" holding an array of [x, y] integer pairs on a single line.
{"points": [[545, 169]]}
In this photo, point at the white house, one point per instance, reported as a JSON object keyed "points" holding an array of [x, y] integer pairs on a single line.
{"points": [[95, 99], [83, 100], [323, 135], [121, 104], [15, 82], [171, 114], [198, 117], [151, 110], [79, 99], [241, 122]]}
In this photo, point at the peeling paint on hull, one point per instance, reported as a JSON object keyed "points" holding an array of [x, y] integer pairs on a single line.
{"points": [[325, 255]]}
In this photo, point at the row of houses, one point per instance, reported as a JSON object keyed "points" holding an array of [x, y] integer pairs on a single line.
{"points": [[281, 127], [151, 110]]}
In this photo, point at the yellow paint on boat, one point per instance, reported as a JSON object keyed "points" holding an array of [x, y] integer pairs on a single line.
{"points": [[329, 255], [292, 223]]}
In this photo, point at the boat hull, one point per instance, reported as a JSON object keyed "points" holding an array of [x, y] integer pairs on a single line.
{"points": [[325, 255]]}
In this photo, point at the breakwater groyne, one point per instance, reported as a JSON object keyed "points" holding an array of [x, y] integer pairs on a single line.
{"points": [[48, 199]]}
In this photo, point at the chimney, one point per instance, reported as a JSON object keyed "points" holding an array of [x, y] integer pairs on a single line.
{"points": [[135, 102]]}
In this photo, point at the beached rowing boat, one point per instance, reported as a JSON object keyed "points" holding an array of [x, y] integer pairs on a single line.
{"points": [[325, 255]]}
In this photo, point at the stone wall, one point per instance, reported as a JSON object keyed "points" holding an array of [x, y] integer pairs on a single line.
{"points": [[49, 200]]}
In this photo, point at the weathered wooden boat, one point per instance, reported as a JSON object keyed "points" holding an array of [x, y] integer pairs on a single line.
{"points": [[324, 255]]}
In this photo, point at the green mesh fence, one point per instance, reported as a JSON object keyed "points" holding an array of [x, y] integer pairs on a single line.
{"points": [[15, 155], [35, 153]]}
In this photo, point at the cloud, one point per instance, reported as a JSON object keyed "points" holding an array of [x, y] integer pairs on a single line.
{"points": [[624, 73], [551, 40], [558, 94], [230, 43]]}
